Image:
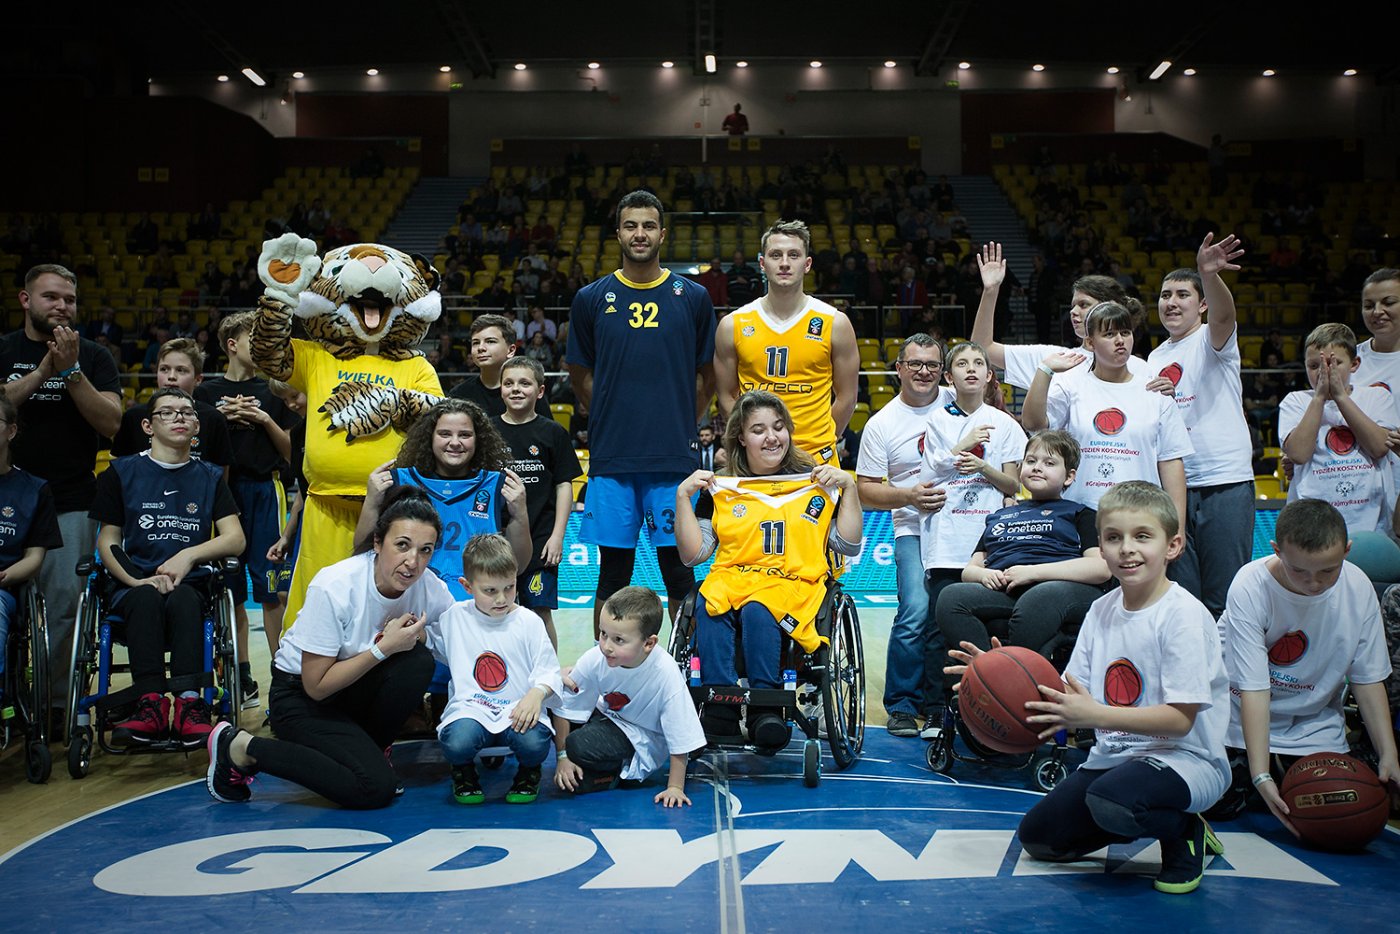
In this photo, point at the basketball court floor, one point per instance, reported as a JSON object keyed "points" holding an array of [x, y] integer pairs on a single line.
{"points": [[888, 846]]}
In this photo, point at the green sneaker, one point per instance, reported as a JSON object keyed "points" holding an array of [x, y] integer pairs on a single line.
{"points": [[526, 787], [1184, 860], [466, 786]]}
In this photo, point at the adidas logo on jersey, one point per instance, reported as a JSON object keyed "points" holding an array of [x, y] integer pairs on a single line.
{"points": [[610, 311]]}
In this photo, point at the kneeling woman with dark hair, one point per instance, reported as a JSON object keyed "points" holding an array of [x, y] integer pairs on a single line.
{"points": [[349, 671]]}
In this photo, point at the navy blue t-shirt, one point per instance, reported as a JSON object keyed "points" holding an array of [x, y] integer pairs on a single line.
{"points": [[1038, 533], [161, 510], [27, 516], [644, 343]]}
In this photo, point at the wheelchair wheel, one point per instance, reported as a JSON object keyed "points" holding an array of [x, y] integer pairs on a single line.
{"points": [[843, 687], [939, 753], [811, 763], [225, 637], [38, 762], [1049, 772], [80, 752], [82, 667], [683, 631]]}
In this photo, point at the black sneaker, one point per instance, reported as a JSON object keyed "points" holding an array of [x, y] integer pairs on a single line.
{"points": [[250, 691], [466, 786], [225, 781], [902, 724], [1184, 859], [526, 787]]}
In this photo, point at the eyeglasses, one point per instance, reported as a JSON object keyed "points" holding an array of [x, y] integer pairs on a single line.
{"points": [[175, 415], [920, 366]]}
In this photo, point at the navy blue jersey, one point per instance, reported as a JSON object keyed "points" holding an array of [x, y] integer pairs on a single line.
{"points": [[27, 516], [1038, 533], [644, 342], [161, 510], [467, 507]]}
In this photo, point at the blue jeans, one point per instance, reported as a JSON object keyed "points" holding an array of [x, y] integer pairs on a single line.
{"points": [[762, 644], [910, 630], [1219, 541], [7, 612], [462, 739]]}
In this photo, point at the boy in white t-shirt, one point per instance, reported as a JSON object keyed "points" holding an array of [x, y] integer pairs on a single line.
{"points": [[972, 450], [1199, 365], [503, 670], [637, 708], [1148, 677], [1336, 435], [1299, 627]]}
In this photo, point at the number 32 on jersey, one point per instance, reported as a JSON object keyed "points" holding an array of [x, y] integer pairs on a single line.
{"points": [[643, 316]]}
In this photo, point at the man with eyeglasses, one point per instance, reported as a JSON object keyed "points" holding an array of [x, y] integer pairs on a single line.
{"points": [[69, 399], [887, 475], [171, 514]]}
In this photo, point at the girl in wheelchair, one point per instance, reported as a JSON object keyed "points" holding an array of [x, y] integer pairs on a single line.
{"points": [[169, 514], [769, 520], [28, 528]]}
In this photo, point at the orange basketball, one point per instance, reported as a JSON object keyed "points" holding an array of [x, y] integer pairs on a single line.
{"points": [[993, 695], [1335, 801]]}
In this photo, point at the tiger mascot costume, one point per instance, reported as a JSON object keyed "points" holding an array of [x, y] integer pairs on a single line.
{"points": [[364, 307]]}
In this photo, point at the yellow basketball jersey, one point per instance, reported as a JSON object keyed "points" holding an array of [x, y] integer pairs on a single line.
{"points": [[792, 360], [772, 548]]}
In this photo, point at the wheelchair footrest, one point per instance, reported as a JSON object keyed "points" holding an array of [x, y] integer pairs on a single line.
{"points": [[733, 695]]}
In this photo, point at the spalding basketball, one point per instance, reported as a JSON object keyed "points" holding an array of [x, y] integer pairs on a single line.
{"points": [[1290, 647], [993, 694], [1335, 801], [489, 672], [1110, 421]]}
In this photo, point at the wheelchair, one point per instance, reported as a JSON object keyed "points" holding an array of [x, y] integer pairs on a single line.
{"points": [[1046, 765], [94, 708], [25, 710], [829, 701]]}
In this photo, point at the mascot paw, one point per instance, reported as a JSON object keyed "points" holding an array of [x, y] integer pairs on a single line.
{"points": [[287, 266], [360, 409]]}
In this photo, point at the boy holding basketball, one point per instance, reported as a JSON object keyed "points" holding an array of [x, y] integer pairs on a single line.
{"points": [[1148, 677], [1299, 626], [503, 670]]}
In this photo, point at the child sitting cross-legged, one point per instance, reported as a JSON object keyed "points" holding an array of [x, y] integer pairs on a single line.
{"points": [[503, 670]]}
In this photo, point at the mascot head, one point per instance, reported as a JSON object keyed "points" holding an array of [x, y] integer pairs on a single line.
{"points": [[372, 297]]}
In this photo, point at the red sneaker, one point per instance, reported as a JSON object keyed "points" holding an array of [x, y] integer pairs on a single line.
{"points": [[192, 722], [149, 724]]}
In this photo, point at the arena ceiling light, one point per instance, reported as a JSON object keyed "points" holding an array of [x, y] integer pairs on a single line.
{"points": [[814, 63], [519, 66], [1189, 72], [890, 63], [594, 66], [444, 68], [1113, 69], [1268, 72], [1349, 73], [1160, 70], [371, 71], [711, 66], [741, 64], [668, 64], [964, 66], [1037, 67], [223, 78], [254, 77], [298, 75]]}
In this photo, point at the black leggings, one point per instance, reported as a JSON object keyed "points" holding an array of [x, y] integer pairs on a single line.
{"points": [[335, 747], [149, 621], [615, 572], [1095, 807]]}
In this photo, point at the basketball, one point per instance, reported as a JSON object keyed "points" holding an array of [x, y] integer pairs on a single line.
{"points": [[489, 672], [1290, 647], [1110, 421], [1335, 801], [994, 692]]}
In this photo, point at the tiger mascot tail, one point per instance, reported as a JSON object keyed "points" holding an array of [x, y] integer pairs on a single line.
{"points": [[364, 309]]}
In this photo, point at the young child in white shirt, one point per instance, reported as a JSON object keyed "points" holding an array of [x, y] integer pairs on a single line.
{"points": [[503, 670], [637, 708], [1299, 626], [1148, 677]]}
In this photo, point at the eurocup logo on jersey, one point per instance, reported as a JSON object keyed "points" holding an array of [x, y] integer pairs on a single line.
{"points": [[814, 328], [815, 505], [677, 287], [146, 521], [481, 504]]}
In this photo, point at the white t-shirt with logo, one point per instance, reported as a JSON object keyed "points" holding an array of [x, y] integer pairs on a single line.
{"points": [[649, 703], [1302, 650], [494, 663], [1023, 359], [1339, 472], [1123, 431], [1210, 397], [1376, 367], [344, 611], [949, 536], [1166, 653], [892, 446]]}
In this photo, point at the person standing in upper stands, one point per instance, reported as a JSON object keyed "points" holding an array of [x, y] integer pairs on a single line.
{"points": [[69, 398], [641, 343], [798, 348], [735, 124]]}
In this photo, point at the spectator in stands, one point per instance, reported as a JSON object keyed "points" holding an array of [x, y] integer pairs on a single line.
{"points": [[470, 232], [370, 165], [106, 328], [716, 282], [1116, 273], [576, 161], [538, 348], [144, 236], [911, 296], [496, 296], [207, 225], [527, 278], [454, 281], [496, 236], [184, 325], [736, 123], [317, 219], [1282, 260], [297, 220], [486, 204], [854, 251], [213, 285], [1264, 391], [744, 284], [510, 204], [539, 324], [943, 195], [517, 238], [542, 235]]}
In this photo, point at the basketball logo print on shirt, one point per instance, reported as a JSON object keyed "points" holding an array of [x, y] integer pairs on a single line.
{"points": [[616, 700], [1122, 684], [1110, 421], [1340, 440], [1289, 649], [1172, 372], [490, 672]]}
